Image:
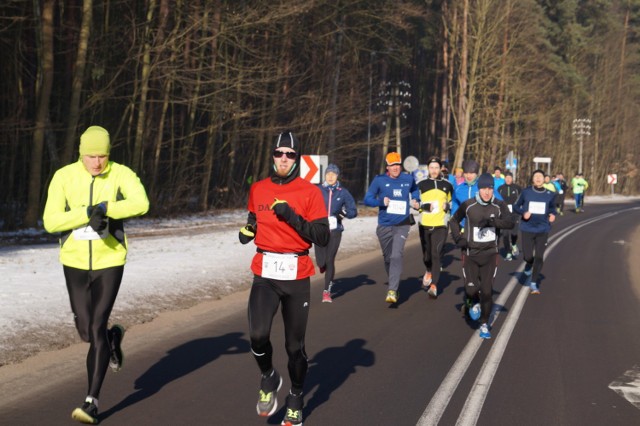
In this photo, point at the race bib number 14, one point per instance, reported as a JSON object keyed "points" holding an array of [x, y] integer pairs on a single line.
{"points": [[279, 266]]}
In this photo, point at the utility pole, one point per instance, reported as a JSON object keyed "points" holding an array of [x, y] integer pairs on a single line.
{"points": [[581, 128]]}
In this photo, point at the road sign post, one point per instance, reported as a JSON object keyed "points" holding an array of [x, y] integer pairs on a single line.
{"points": [[312, 167], [612, 179]]}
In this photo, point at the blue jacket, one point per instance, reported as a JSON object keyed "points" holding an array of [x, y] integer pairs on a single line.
{"points": [[402, 188], [342, 203], [538, 222]]}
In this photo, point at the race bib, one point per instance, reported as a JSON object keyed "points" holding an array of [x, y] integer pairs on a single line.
{"points": [[86, 233], [333, 223], [484, 235], [537, 207], [279, 266], [397, 207]]}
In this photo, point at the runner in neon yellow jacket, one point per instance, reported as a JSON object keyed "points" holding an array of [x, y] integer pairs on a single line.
{"points": [[86, 204]]}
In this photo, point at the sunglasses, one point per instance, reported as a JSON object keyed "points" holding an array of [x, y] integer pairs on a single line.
{"points": [[290, 154]]}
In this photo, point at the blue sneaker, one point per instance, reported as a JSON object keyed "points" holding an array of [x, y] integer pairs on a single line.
{"points": [[528, 269], [484, 331], [534, 288], [475, 312]]}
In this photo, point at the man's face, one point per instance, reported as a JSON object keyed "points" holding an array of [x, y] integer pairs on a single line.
{"points": [[331, 178], [394, 170], [470, 176], [537, 179], [95, 164], [508, 180], [486, 194], [434, 170], [498, 173], [282, 162]]}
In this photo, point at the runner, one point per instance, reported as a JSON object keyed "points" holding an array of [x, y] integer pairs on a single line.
{"points": [[578, 186], [339, 204], [498, 178], [561, 191], [286, 215], [393, 193], [484, 214], [469, 188], [435, 203], [510, 193], [537, 207], [86, 204]]}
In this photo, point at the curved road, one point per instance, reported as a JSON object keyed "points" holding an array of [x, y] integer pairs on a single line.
{"points": [[565, 357]]}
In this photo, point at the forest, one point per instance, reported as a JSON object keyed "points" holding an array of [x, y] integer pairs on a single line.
{"points": [[194, 93]]}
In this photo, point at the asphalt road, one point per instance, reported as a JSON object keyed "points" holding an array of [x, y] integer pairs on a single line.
{"points": [[551, 361]]}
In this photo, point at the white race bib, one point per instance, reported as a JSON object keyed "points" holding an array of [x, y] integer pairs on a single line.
{"points": [[86, 233], [537, 207], [279, 266], [484, 235], [333, 223], [397, 207]]}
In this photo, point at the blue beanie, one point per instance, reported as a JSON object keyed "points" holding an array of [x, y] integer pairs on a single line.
{"points": [[485, 181], [333, 169]]}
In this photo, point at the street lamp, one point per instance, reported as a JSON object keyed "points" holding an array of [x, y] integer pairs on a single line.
{"points": [[581, 128]]}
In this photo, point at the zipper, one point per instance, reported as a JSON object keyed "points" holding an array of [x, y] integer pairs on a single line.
{"points": [[93, 179]]}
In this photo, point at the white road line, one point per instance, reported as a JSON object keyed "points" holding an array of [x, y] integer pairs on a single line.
{"points": [[473, 405]]}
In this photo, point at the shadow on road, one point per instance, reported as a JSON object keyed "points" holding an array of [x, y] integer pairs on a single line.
{"points": [[329, 369], [342, 286], [179, 362]]}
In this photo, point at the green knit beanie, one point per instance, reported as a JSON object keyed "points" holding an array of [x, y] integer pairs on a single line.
{"points": [[95, 141]]}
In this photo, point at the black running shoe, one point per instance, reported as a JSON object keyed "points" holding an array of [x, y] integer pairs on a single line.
{"points": [[88, 413], [268, 394], [293, 417], [116, 334]]}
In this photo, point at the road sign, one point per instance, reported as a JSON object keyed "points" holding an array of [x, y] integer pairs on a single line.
{"points": [[511, 162], [542, 159], [312, 167], [612, 179]]}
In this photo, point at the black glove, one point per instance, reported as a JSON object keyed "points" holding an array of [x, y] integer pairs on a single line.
{"points": [[491, 222], [247, 233], [97, 216], [341, 214], [446, 207], [462, 243], [282, 209], [426, 207]]}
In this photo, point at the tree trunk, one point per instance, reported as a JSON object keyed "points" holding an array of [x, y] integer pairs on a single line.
{"points": [[463, 99], [45, 85], [77, 84]]}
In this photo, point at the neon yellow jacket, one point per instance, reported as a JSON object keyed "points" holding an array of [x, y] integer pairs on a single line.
{"points": [[579, 185], [71, 191]]}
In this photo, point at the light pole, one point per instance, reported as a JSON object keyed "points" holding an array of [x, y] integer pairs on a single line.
{"points": [[581, 128]]}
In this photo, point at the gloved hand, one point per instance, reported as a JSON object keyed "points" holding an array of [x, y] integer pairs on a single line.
{"points": [[97, 216], [490, 222], [461, 242], [426, 207], [247, 233], [282, 209], [446, 207], [341, 214]]}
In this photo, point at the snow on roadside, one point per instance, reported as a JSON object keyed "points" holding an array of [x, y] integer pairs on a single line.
{"points": [[172, 264]]}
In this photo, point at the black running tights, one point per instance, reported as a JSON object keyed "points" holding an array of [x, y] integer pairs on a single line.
{"points": [[479, 273], [92, 295], [266, 295], [432, 240], [326, 256], [533, 247]]}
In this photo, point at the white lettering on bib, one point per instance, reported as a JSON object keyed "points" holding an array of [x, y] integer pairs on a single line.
{"points": [[333, 223], [397, 207], [484, 235], [537, 207], [279, 266]]}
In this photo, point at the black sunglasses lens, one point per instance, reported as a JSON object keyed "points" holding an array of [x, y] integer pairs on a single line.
{"points": [[290, 155]]}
